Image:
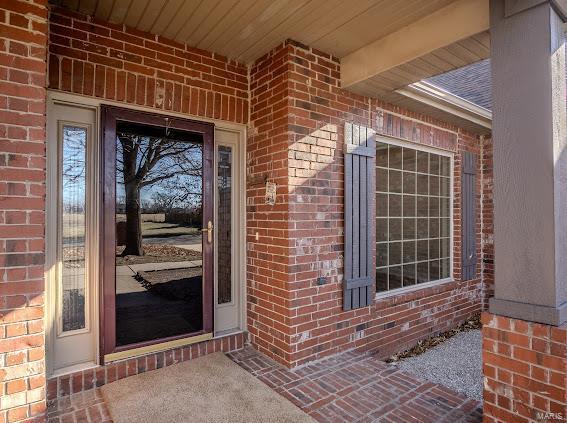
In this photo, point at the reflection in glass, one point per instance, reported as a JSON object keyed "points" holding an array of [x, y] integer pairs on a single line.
{"points": [[159, 216], [224, 224], [73, 195]]}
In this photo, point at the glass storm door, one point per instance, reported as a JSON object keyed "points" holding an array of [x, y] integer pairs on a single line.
{"points": [[157, 229]]}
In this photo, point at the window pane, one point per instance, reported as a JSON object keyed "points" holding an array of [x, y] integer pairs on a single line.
{"points": [[445, 247], [409, 228], [422, 228], [433, 248], [445, 269], [409, 182], [434, 164], [382, 205], [445, 166], [395, 253], [381, 154], [224, 226], [434, 185], [422, 250], [395, 277], [445, 185], [409, 206], [395, 205], [409, 274], [382, 279], [395, 157], [445, 204], [395, 181], [422, 206], [381, 230], [408, 255], [73, 195], [422, 184], [434, 270], [445, 227], [381, 180], [433, 228], [423, 272], [382, 254], [422, 162], [409, 159], [433, 207], [395, 229]]}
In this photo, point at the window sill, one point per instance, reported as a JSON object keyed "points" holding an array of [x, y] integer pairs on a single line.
{"points": [[408, 289]]}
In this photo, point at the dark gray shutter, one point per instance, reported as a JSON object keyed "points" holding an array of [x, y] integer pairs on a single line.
{"points": [[468, 231], [360, 153]]}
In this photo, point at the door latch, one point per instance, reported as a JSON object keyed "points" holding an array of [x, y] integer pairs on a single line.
{"points": [[209, 231]]}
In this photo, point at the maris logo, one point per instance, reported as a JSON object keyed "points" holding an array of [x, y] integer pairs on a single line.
{"points": [[548, 417]]}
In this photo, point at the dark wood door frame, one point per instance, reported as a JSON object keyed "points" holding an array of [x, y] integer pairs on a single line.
{"points": [[109, 117]]}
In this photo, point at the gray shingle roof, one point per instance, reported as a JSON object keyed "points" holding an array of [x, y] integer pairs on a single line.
{"points": [[471, 82]]}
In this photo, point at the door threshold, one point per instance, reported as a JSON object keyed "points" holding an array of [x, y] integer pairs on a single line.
{"points": [[136, 352], [72, 369]]}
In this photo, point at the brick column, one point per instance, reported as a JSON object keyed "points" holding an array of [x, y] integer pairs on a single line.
{"points": [[525, 348], [23, 45]]}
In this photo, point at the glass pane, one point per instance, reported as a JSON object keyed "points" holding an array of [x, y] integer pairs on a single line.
{"points": [[159, 216], [408, 254], [382, 279], [381, 180], [433, 248], [395, 277], [422, 162], [445, 269], [445, 189], [409, 274], [73, 195], [433, 207], [409, 206], [395, 181], [445, 247], [395, 229], [423, 272], [381, 230], [422, 250], [434, 270], [422, 184], [433, 184], [224, 224], [409, 183], [395, 157], [422, 206], [382, 205], [382, 254], [381, 154], [433, 228], [409, 228], [395, 253], [445, 166], [395, 205], [445, 207], [409, 159], [434, 164], [445, 227], [422, 228]]}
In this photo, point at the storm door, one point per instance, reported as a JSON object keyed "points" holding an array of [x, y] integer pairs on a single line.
{"points": [[157, 230]]}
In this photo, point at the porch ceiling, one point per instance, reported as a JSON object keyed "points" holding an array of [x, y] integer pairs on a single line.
{"points": [[246, 29]]}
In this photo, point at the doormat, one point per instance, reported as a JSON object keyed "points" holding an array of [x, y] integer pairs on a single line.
{"points": [[208, 389]]}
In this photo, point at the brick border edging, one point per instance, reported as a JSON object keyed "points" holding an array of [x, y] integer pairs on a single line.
{"points": [[84, 380]]}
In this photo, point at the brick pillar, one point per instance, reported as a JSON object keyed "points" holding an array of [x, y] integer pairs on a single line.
{"points": [[524, 368], [23, 45]]}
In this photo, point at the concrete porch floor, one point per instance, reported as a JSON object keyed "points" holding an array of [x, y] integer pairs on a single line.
{"points": [[349, 387]]}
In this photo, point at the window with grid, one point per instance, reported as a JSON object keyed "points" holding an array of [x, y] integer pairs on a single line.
{"points": [[413, 217]]}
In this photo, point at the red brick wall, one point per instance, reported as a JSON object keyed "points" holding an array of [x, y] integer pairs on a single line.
{"points": [[525, 367], [23, 40], [115, 62], [297, 118]]}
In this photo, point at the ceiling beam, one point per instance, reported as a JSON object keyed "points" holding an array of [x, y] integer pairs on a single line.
{"points": [[457, 21]]}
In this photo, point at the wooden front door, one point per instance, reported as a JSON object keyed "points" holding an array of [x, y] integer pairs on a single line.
{"points": [[157, 229]]}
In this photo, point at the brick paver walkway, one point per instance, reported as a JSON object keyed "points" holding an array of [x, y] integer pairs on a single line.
{"points": [[349, 387]]}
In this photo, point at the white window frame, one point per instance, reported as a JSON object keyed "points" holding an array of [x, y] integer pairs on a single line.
{"points": [[451, 156]]}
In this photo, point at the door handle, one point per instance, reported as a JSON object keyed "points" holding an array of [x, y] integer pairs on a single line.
{"points": [[209, 231]]}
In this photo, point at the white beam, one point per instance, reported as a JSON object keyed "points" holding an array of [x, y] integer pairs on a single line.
{"points": [[457, 21]]}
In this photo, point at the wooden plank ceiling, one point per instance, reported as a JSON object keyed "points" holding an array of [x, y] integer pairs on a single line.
{"points": [[244, 30]]}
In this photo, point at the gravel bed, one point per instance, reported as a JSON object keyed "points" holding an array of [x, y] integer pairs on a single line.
{"points": [[455, 363]]}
